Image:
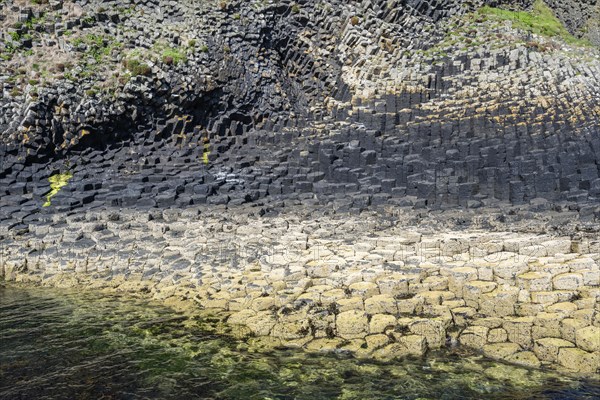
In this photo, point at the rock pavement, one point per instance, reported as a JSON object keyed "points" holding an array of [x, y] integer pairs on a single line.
{"points": [[369, 284]]}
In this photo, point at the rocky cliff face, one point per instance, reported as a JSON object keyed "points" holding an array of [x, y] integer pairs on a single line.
{"points": [[293, 164], [581, 17], [434, 103]]}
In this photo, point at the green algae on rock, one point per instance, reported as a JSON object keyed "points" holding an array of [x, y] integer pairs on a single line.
{"points": [[57, 182]]}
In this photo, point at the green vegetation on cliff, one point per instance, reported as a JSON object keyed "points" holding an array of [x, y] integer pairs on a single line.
{"points": [[540, 21], [498, 28]]}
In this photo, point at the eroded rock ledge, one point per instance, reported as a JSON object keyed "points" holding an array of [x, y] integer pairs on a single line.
{"points": [[380, 284]]}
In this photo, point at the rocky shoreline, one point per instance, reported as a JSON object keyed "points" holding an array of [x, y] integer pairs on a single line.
{"points": [[381, 284], [380, 177]]}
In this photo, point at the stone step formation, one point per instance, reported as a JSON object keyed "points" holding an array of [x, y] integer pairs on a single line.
{"points": [[315, 280], [370, 98], [137, 136]]}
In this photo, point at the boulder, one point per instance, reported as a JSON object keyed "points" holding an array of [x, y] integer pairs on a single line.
{"points": [[411, 345], [499, 303], [458, 276], [289, 329], [569, 328], [568, 281], [524, 358], [578, 360], [547, 325], [353, 303], [364, 289], [262, 323], [509, 269], [377, 341], [381, 304], [535, 281], [415, 345], [474, 337], [519, 330], [500, 351], [497, 335], [324, 344], [473, 290]]}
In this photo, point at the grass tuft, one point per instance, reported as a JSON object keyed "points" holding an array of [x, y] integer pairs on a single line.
{"points": [[174, 55]]}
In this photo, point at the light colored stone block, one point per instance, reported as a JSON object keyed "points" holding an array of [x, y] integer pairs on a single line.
{"points": [[524, 358], [332, 296], [410, 306], [474, 337], [499, 303], [519, 330], [564, 308], [462, 315], [352, 324], [497, 335], [590, 278], [392, 285], [569, 328], [381, 304], [588, 338], [364, 289], [381, 322], [473, 290], [546, 349], [535, 281], [570, 281], [578, 360], [432, 329], [377, 341], [500, 351], [415, 345], [353, 303], [458, 276], [436, 283], [557, 246], [324, 345], [547, 325]]}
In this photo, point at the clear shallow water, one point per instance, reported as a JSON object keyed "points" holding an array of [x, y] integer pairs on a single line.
{"points": [[63, 345]]}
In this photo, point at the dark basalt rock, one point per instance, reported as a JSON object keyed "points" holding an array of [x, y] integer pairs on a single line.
{"points": [[302, 102]]}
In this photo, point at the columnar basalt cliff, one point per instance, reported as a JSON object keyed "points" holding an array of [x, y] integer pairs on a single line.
{"points": [[138, 138], [436, 101]]}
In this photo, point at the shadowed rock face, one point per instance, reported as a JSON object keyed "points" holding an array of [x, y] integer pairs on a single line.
{"points": [[433, 103], [580, 17]]}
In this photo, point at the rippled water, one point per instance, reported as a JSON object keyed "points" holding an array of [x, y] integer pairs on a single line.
{"points": [[63, 345]]}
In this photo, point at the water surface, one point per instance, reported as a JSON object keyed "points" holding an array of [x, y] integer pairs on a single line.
{"points": [[58, 344]]}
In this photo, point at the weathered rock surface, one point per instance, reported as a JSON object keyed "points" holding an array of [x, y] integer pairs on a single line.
{"points": [[271, 287], [403, 103], [380, 177]]}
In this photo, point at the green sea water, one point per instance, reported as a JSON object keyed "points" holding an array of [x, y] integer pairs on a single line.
{"points": [[57, 344]]}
